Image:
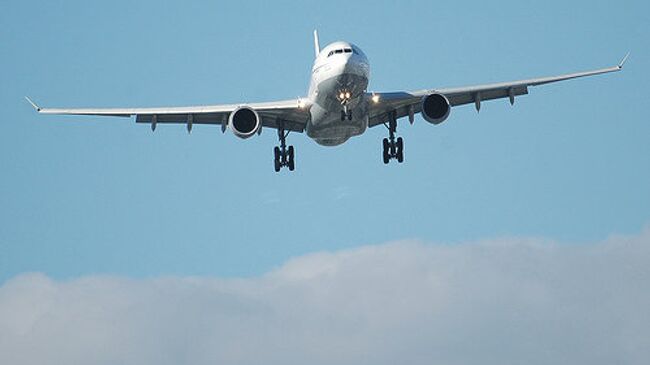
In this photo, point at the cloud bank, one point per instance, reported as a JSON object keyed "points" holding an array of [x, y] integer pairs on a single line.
{"points": [[506, 301]]}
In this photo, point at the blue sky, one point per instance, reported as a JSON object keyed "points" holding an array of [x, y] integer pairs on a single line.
{"points": [[80, 196]]}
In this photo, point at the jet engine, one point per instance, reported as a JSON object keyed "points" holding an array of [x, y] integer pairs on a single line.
{"points": [[435, 108], [244, 122]]}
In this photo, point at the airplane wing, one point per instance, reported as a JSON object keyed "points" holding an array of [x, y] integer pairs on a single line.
{"points": [[290, 112], [409, 103]]}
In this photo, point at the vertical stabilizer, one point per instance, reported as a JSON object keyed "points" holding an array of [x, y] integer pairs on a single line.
{"points": [[316, 43]]}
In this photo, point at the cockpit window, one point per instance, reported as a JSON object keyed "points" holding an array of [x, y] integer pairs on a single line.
{"points": [[342, 50]]}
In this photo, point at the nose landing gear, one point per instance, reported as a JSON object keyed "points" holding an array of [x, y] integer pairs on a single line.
{"points": [[283, 155], [344, 98], [346, 113], [393, 148]]}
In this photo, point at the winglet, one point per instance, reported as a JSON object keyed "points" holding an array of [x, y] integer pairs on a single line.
{"points": [[620, 65], [316, 43], [38, 108]]}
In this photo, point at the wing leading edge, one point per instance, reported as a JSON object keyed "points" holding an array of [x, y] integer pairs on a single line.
{"points": [[408, 103], [290, 112]]}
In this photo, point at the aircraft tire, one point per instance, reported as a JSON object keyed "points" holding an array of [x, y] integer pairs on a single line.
{"points": [[276, 155], [292, 163], [386, 147], [400, 150]]}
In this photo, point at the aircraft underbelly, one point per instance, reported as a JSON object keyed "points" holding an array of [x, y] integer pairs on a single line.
{"points": [[326, 126]]}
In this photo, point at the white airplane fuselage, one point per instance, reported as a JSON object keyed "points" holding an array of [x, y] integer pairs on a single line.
{"points": [[337, 94]]}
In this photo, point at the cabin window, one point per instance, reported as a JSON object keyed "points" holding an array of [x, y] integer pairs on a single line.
{"points": [[347, 50]]}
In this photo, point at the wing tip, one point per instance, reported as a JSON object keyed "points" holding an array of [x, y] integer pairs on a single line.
{"points": [[622, 63], [36, 107]]}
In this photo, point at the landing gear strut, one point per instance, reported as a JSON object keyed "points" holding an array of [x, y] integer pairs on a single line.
{"points": [[283, 155], [346, 113], [393, 148]]}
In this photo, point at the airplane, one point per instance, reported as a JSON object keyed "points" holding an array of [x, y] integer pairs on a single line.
{"points": [[337, 107]]}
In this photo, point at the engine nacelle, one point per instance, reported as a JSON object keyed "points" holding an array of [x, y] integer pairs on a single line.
{"points": [[244, 122], [435, 108]]}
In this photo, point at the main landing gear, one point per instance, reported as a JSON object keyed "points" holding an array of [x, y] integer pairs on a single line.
{"points": [[393, 148], [283, 155]]}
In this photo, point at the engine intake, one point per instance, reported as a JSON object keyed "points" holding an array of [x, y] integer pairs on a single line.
{"points": [[244, 122], [435, 108]]}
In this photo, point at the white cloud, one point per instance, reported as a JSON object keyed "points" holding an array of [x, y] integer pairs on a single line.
{"points": [[507, 301]]}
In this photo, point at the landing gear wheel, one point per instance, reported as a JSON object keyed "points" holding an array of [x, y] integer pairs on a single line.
{"points": [[277, 165], [342, 115], [291, 162], [349, 115], [393, 147], [386, 154], [276, 161], [400, 150], [283, 155]]}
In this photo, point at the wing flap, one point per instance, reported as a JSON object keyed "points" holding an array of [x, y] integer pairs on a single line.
{"points": [[200, 118], [462, 98]]}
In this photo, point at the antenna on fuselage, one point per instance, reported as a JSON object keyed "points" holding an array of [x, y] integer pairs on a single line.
{"points": [[316, 43]]}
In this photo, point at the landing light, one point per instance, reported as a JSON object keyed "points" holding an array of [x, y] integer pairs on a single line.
{"points": [[342, 96], [375, 98], [347, 95]]}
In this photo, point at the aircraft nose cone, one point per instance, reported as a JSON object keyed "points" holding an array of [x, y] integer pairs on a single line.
{"points": [[341, 65], [353, 66], [349, 65]]}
